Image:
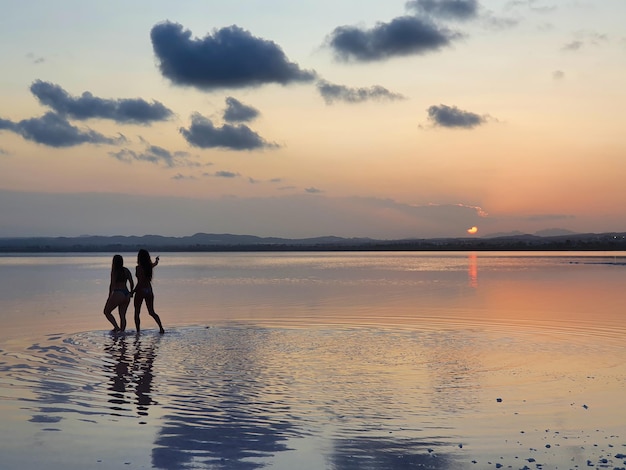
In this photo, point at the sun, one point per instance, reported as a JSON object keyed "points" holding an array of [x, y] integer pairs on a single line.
{"points": [[472, 230]]}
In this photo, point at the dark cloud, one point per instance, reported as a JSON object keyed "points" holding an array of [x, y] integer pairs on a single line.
{"points": [[55, 131], [405, 35], [451, 116], [230, 58], [203, 133], [7, 125], [313, 190], [332, 92], [446, 9], [179, 176], [225, 174], [154, 154], [236, 111], [87, 106]]}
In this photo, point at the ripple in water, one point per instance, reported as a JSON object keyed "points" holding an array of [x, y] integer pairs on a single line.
{"points": [[246, 397]]}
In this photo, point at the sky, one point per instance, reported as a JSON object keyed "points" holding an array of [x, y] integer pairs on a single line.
{"points": [[353, 118]]}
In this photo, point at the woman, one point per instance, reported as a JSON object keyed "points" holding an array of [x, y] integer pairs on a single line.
{"points": [[143, 291], [119, 294]]}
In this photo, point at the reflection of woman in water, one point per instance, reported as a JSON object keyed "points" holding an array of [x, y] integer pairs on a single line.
{"points": [[130, 372], [119, 293], [143, 291]]}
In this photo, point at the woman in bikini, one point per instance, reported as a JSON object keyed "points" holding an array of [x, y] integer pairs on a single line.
{"points": [[143, 291], [119, 293]]}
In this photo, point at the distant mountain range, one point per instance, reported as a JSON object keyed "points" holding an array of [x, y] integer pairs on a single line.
{"points": [[554, 239]]}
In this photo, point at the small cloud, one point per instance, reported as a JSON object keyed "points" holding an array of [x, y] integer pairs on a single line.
{"points": [[229, 58], [155, 154], [532, 5], [331, 93], [446, 9], [270, 181], [3, 152], [204, 134], [226, 174], [451, 116], [35, 60], [402, 36], [87, 106], [313, 190], [236, 111], [558, 75], [498, 23], [54, 130], [181, 177], [573, 46], [584, 38]]}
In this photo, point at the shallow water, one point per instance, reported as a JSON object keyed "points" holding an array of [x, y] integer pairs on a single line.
{"points": [[318, 360]]}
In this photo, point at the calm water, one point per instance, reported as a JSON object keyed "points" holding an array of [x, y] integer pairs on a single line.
{"points": [[318, 361]]}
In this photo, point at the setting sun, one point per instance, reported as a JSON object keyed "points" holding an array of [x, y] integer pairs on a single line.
{"points": [[472, 230]]}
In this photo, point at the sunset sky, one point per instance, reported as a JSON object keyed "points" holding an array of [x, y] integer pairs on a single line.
{"points": [[355, 118]]}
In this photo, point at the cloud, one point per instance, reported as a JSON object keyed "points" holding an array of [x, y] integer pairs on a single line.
{"points": [[313, 190], [7, 125], [236, 111], [34, 59], [451, 116], [230, 58], [225, 174], [402, 36], [203, 133], [87, 106], [573, 46], [154, 154], [446, 9], [55, 131], [331, 93], [558, 75], [584, 38], [533, 5], [180, 176]]}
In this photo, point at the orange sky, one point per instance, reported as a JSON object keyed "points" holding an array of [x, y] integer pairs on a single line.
{"points": [[512, 107]]}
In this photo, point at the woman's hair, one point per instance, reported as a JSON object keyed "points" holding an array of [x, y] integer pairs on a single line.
{"points": [[117, 268], [143, 260]]}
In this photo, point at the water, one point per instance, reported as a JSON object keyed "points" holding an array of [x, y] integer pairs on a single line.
{"points": [[318, 361]]}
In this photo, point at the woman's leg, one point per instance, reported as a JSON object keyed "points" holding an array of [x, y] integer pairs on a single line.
{"points": [[150, 306], [122, 311], [138, 301], [112, 302]]}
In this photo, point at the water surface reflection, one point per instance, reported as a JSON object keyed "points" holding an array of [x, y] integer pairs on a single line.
{"points": [[339, 361]]}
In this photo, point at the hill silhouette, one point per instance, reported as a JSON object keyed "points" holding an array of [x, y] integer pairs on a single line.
{"points": [[229, 242]]}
